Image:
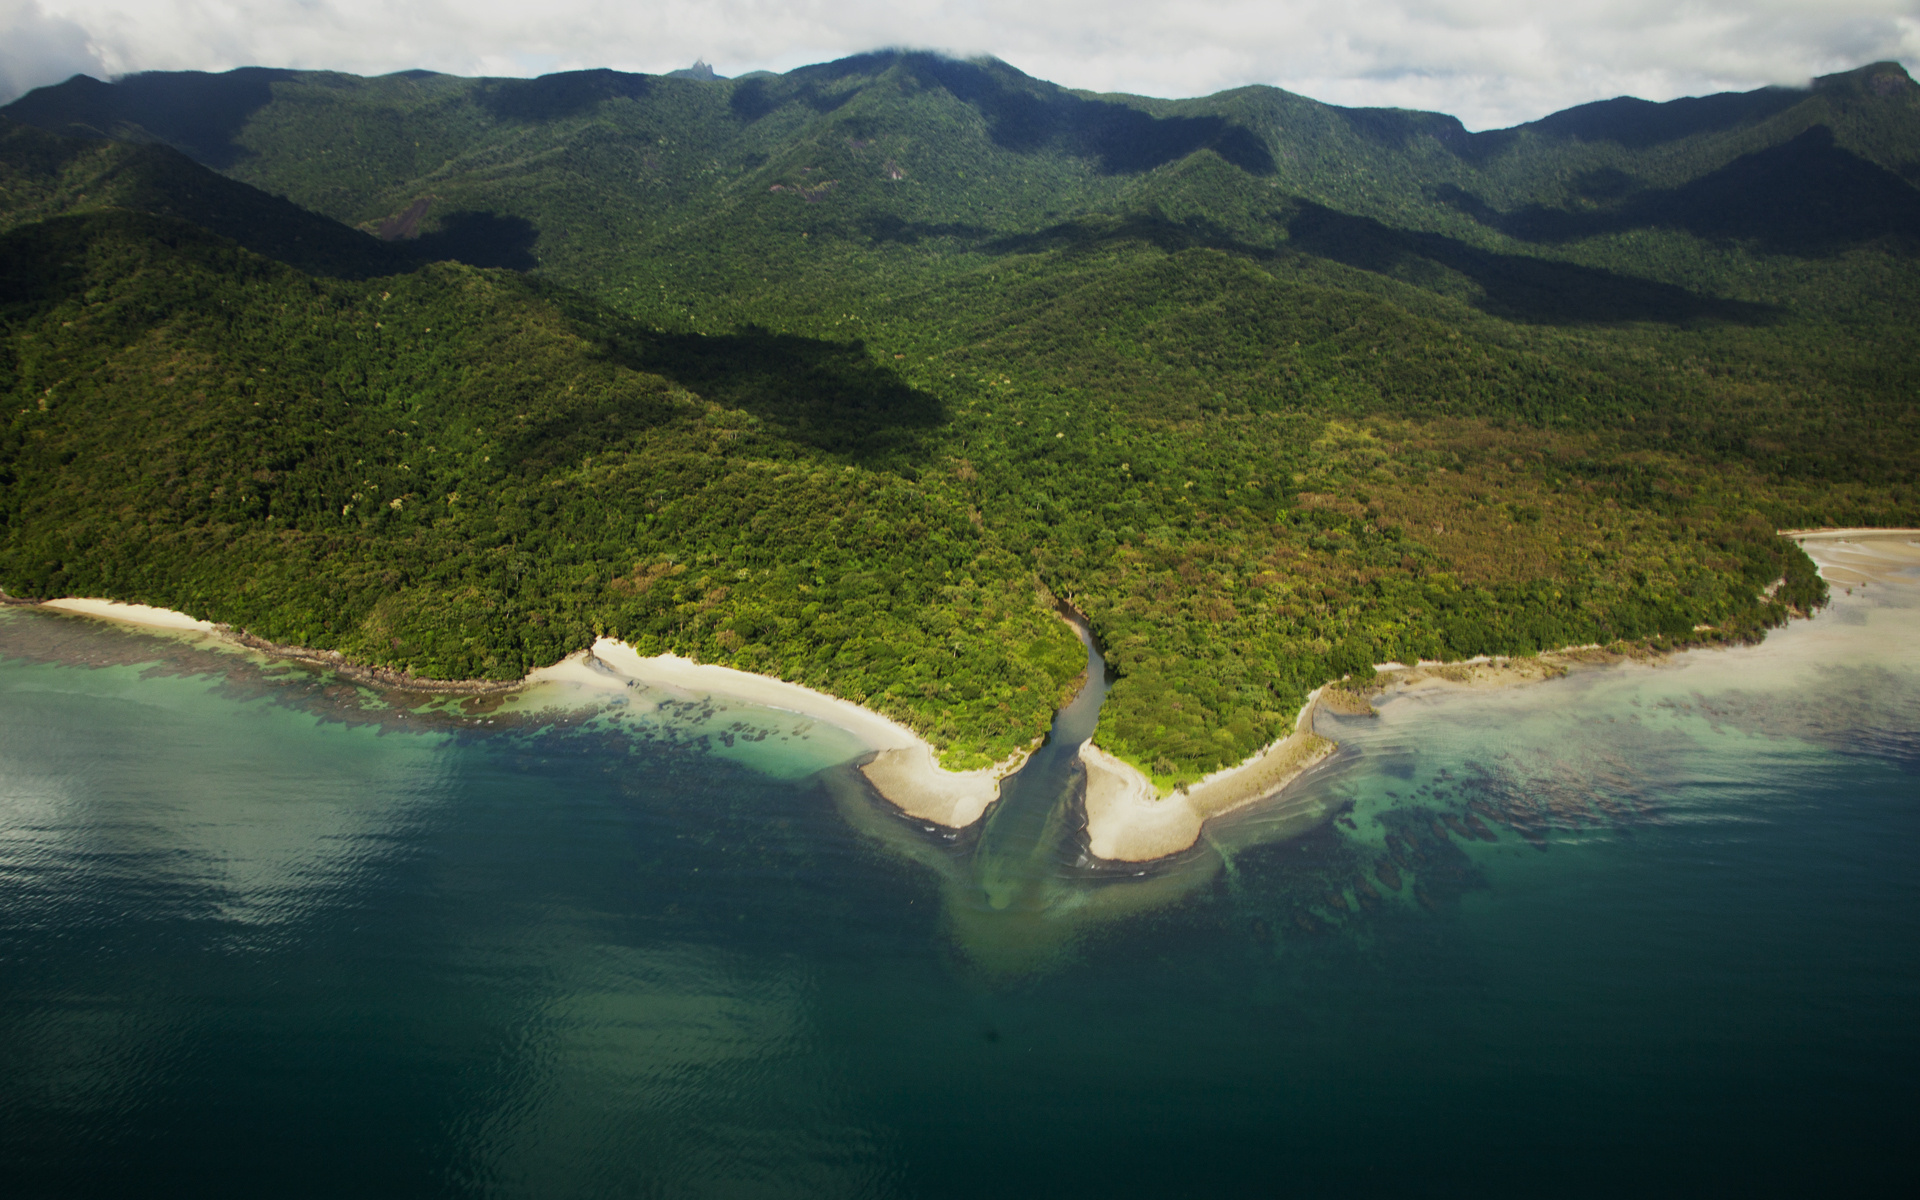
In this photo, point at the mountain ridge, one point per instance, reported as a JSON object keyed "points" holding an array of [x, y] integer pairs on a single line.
{"points": [[500, 166]]}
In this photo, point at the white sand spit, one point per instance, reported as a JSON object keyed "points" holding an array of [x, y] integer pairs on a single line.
{"points": [[916, 783], [1128, 821]]}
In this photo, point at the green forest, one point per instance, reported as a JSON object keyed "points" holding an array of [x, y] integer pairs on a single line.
{"points": [[851, 375]]}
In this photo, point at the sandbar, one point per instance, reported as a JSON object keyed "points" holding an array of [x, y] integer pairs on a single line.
{"points": [[1484, 673], [1854, 557]]}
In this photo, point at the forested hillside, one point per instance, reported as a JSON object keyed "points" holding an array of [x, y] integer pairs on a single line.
{"points": [[43, 175], [844, 375]]}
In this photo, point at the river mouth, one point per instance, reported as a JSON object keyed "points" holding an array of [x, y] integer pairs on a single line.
{"points": [[1021, 887], [1028, 838]]}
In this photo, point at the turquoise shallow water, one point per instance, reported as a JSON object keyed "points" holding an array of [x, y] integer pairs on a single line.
{"points": [[258, 934]]}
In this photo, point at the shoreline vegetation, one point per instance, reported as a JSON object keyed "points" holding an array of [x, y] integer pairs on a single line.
{"points": [[1129, 819], [1264, 425], [904, 768]]}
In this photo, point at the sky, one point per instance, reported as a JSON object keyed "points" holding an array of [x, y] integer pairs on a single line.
{"points": [[1489, 62]]}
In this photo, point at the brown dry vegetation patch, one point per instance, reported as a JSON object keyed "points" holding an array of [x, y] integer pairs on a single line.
{"points": [[1499, 505], [645, 575]]}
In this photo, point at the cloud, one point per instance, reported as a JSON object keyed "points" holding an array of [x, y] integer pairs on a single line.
{"points": [[37, 49], [1490, 62]]}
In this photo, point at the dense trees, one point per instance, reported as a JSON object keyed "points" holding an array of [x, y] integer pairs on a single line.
{"points": [[1239, 378]]}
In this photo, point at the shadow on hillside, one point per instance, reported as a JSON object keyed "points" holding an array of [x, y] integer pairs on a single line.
{"points": [[550, 97], [479, 239], [1022, 114], [1088, 233], [1639, 124], [200, 113], [1399, 128], [1026, 117], [1807, 197], [1512, 286], [830, 396], [158, 179]]}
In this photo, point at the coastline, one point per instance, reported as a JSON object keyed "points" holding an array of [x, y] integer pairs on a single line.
{"points": [[149, 617], [1856, 567], [1127, 819], [904, 768]]}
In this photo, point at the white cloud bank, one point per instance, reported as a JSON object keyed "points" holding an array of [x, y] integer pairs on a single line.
{"points": [[1490, 62], [36, 48]]}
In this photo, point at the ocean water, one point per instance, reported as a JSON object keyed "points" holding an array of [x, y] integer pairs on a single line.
{"points": [[1655, 928]]}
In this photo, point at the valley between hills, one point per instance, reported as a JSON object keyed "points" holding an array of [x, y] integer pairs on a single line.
{"points": [[849, 376]]}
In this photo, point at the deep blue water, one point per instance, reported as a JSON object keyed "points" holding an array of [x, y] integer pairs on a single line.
{"points": [[257, 938]]}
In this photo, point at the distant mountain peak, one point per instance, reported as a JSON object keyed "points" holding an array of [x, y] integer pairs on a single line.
{"points": [[1875, 79], [701, 70]]}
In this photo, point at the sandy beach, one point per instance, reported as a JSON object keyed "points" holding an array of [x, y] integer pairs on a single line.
{"points": [[1129, 821], [132, 614], [905, 767], [1858, 557]]}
